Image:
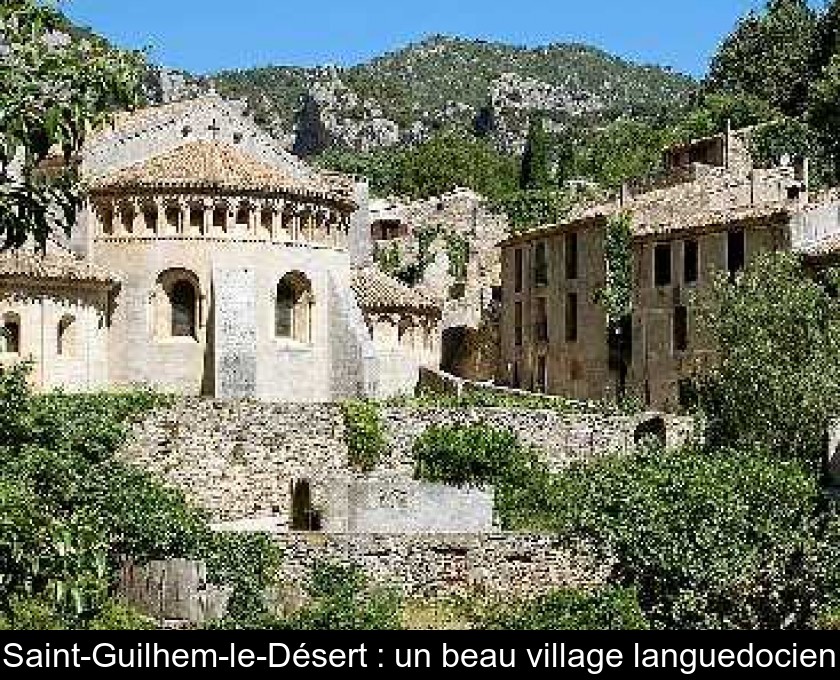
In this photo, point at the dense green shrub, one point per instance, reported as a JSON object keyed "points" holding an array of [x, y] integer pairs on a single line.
{"points": [[480, 455], [363, 434], [777, 381], [249, 563], [609, 608], [343, 599], [69, 512], [729, 539]]}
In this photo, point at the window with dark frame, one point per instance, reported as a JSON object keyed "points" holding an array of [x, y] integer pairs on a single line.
{"points": [[680, 329], [735, 251], [541, 323], [516, 381], [517, 324], [662, 264], [518, 270], [541, 383], [571, 254], [691, 261], [540, 265], [571, 317], [184, 305]]}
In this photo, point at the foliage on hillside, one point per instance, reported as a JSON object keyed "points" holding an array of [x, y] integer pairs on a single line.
{"points": [[440, 74]]}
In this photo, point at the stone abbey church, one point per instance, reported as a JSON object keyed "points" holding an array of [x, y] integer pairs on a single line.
{"points": [[208, 261]]}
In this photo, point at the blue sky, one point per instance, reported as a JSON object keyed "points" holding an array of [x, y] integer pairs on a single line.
{"points": [[203, 36]]}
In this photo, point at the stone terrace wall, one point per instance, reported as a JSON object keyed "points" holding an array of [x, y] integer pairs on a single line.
{"points": [[562, 438], [522, 565], [238, 459]]}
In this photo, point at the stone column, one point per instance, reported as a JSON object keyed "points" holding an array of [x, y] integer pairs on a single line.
{"points": [[208, 206], [139, 224], [183, 216]]}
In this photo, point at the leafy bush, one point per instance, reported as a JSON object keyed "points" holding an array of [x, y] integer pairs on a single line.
{"points": [[68, 512], [342, 599], [363, 434], [249, 563], [730, 539], [479, 455], [118, 616], [609, 608], [777, 380], [467, 456]]}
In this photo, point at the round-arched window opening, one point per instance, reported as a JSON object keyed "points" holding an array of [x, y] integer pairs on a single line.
{"points": [[10, 334], [66, 338], [294, 305], [184, 300]]}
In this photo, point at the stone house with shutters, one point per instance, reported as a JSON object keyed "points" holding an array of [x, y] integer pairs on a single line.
{"points": [[209, 261], [711, 211]]}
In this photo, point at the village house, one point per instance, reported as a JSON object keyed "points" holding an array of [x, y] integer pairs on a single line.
{"points": [[711, 211]]}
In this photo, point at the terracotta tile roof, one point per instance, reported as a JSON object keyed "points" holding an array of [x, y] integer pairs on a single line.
{"points": [[212, 165], [375, 290], [700, 220], [65, 268], [687, 222]]}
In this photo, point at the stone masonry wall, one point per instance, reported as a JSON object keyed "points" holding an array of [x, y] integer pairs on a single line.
{"points": [[562, 438], [435, 565], [239, 460]]}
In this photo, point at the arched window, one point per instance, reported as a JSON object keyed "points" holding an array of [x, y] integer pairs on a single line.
{"points": [[293, 314], [183, 300], [66, 341], [10, 334], [177, 305]]}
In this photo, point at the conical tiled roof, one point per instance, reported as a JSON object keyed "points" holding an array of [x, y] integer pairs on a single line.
{"points": [[376, 291], [212, 166]]}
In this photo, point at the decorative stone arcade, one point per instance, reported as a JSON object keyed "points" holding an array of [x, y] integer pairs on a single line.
{"points": [[223, 195]]}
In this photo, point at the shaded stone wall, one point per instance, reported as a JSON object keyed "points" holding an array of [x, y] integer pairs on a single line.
{"points": [[240, 460], [514, 565], [561, 438]]}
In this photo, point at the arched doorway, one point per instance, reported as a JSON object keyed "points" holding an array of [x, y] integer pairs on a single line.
{"points": [[304, 517]]}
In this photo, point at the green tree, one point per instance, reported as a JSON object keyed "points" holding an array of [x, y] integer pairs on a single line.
{"points": [[769, 56], [53, 88], [536, 173], [824, 111], [828, 37], [716, 110], [708, 539], [777, 380]]}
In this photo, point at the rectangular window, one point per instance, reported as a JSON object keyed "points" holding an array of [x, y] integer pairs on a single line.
{"points": [[662, 264], [735, 251], [517, 324], [680, 329], [691, 262], [541, 324], [571, 317], [517, 270], [541, 384], [516, 381], [571, 256], [540, 265]]}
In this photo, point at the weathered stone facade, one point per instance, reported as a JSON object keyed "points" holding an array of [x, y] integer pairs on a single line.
{"points": [[236, 264], [711, 212], [242, 460], [513, 565]]}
